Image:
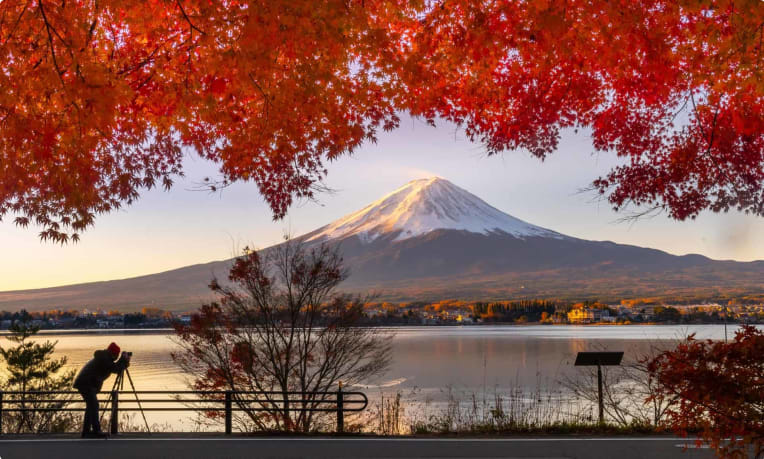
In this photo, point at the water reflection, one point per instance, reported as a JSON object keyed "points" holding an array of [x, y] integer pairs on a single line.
{"points": [[478, 358]]}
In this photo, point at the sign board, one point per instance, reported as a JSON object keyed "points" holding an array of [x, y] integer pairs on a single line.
{"points": [[598, 358]]}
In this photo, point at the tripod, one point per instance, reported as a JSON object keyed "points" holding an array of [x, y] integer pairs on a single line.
{"points": [[119, 385]]}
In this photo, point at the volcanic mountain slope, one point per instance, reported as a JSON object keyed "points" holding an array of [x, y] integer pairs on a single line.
{"points": [[423, 206], [431, 240]]}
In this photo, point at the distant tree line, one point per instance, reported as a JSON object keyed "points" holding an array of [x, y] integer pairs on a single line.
{"points": [[57, 318], [515, 311], [638, 310]]}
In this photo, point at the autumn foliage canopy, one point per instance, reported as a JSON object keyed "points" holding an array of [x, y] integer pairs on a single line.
{"points": [[717, 389], [101, 99]]}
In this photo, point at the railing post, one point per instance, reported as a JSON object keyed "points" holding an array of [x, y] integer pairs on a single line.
{"points": [[228, 412], [599, 394], [340, 410], [287, 418], [1, 412], [114, 412]]}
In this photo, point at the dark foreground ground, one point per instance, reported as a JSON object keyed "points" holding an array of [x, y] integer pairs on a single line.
{"points": [[297, 447]]}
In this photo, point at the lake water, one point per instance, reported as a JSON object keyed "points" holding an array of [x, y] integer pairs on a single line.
{"points": [[426, 360]]}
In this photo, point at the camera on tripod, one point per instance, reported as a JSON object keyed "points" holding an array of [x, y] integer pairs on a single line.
{"points": [[119, 385]]}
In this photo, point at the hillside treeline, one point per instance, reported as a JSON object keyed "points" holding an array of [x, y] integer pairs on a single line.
{"points": [[516, 311]]}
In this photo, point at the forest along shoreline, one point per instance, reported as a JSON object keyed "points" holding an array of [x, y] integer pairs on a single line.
{"points": [[441, 313]]}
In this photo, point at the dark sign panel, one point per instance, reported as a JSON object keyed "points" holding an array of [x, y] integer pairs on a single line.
{"points": [[598, 358]]}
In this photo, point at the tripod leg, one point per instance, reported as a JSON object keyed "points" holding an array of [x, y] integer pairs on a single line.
{"points": [[130, 379], [116, 386]]}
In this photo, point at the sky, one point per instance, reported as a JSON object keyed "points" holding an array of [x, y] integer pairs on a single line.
{"points": [[166, 230]]}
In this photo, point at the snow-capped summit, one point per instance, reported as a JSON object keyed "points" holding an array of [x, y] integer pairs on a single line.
{"points": [[424, 205]]}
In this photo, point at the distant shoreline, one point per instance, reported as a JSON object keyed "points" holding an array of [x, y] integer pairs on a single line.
{"points": [[98, 331], [164, 331]]}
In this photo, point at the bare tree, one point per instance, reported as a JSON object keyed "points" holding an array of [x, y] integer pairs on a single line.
{"points": [[280, 327]]}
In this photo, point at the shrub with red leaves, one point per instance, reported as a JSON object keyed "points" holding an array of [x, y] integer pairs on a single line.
{"points": [[719, 391]]}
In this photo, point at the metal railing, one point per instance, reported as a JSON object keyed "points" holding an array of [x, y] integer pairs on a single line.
{"points": [[225, 402]]}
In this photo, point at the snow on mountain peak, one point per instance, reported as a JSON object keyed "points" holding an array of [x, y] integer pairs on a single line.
{"points": [[424, 205]]}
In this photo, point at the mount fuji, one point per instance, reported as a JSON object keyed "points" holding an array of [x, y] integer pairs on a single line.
{"points": [[425, 205], [431, 240]]}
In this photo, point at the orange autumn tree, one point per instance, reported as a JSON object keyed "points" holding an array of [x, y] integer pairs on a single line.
{"points": [[716, 388], [101, 99]]}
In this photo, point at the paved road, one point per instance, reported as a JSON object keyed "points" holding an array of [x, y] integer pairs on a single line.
{"points": [[291, 447]]}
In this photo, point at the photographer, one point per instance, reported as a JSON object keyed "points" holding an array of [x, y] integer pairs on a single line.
{"points": [[89, 381]]}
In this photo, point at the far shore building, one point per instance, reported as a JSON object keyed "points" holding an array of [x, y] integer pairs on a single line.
{"points": [[464, 319], [588, 316]]}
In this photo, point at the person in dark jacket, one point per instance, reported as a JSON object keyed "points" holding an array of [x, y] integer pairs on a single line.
{"points": [[90, 380]]}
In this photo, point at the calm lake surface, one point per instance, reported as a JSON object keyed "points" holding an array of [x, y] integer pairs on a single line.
{"points": [[426, 360]]}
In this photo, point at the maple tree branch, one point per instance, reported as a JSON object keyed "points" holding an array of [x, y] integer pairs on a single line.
{"points": [[18, 20], [761, 33], [191, 24], [695, 109], [713, 132], [710, 136], [265, 96], [633, 217], [55, 32], [91, 30], [59, 72], [67, 46], [145, 81], [142, 63], [681, 109]]}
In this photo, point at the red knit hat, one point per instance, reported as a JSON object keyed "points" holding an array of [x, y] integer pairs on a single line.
{"points": [[113, 349]]}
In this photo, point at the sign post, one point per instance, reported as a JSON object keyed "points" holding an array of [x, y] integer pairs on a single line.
{"points": [[599, 359]]}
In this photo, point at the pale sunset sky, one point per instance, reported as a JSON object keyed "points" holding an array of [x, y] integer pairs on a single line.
{"points": [[166, 230]]}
